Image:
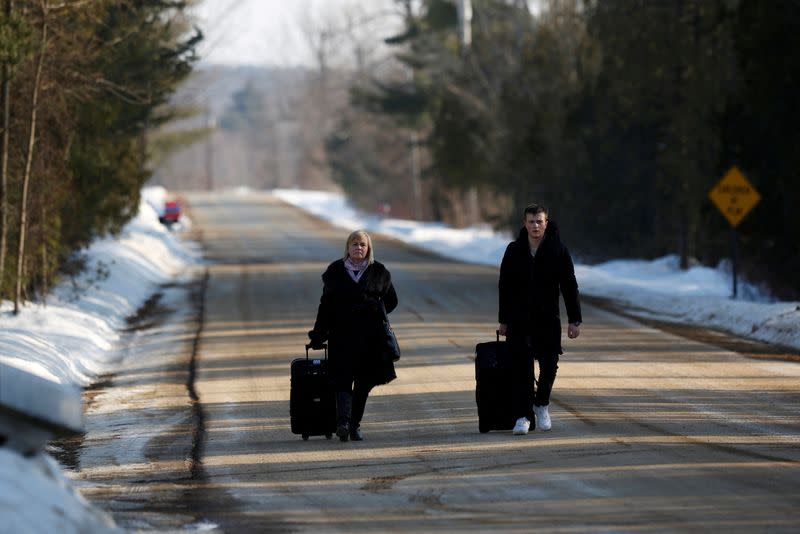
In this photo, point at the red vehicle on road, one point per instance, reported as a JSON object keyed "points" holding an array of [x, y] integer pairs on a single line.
{"points": [[172, 212]]}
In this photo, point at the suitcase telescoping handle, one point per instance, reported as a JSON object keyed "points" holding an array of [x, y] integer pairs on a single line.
{"points": [[324, 347], [498, 334]]}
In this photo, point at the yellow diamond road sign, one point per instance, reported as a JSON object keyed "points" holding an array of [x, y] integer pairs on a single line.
{"points": [[734, 196]]}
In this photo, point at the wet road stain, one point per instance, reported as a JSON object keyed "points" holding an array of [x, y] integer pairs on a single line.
{"points": [[382, 483], [149, 314], [67, 451], [198, 417]]}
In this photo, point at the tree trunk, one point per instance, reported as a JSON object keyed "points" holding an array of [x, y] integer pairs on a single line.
{"points": [[6, 95], [23, 218], [45, 280]]}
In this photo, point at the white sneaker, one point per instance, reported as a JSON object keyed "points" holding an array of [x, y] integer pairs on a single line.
{"points": [[522, 426], [542, 417]]}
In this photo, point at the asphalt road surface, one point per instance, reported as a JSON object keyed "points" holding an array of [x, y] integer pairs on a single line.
{"points": [[651, 431]]}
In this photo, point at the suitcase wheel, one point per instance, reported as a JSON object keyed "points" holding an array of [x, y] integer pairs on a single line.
{"points": [[483, 429], [328, 436], [305, 437]]}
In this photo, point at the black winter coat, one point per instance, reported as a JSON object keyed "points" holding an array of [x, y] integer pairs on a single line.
{"points": [[529, 289], [350, 319]]}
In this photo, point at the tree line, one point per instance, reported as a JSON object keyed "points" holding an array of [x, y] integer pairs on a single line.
{"points": [[621, 115], [83, 82]]}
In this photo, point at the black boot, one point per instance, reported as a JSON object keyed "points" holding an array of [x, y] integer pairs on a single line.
{"points": [[355, 434], [344, 405], [360, 394]]}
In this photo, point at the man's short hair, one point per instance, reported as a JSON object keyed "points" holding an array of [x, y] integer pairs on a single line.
{"points": [[533, 209]]}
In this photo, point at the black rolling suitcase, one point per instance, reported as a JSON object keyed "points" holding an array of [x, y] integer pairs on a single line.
{"points": [[493, 386], [312, 405]]}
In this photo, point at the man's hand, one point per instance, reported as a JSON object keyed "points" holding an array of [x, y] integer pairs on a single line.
{"points": [[502, 328], [573, 330]]}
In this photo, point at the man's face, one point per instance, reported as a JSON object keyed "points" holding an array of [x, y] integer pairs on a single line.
{"points": [[535, 224]]}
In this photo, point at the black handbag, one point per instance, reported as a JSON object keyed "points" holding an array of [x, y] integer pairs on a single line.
{"points": [[388, 345]]}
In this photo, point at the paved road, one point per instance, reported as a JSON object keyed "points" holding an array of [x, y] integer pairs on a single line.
{"points": [[650, 431]]}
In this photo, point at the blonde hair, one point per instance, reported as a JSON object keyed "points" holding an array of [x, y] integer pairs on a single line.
{"points": [[355, 235]]}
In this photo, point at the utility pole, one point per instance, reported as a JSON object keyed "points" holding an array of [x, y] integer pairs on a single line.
{"points": [[415, 176], [465, 38], [211, 124], [465, 24]]}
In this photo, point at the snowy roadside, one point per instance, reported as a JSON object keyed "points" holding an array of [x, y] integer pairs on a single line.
{"points": [[657, 289], [71, 340]]}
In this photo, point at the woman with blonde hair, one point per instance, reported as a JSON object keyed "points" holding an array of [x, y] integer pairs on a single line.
{"points": [[356, 289]]}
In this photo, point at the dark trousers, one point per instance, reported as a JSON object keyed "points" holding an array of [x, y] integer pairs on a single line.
{"points": [[351, 401], [524, 389], [548, 367]]}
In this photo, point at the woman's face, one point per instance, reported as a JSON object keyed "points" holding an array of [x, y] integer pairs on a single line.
{"points": [[358, 249]]}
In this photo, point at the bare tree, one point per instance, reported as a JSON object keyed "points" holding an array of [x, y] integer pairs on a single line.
{"points": [[343, 45], [23, 219]]}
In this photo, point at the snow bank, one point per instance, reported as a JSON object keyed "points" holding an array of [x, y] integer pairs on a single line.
{"points": [[71, 339], [657, 288]]}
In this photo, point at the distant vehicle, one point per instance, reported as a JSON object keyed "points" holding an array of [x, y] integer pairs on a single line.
{"points": [[384, 209], [172, 213]]}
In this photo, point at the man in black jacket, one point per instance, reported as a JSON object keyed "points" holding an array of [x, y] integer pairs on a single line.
{"points": [[535, 268]]}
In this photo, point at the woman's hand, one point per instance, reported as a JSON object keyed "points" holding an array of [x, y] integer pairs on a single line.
{"points": [[502, 328], [317, 340]]}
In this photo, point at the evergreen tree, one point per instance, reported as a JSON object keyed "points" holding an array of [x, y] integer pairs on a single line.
{"points": [[82, 83]]}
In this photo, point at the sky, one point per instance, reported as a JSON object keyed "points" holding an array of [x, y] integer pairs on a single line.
{"points": [[273, 32], [76, 336]]}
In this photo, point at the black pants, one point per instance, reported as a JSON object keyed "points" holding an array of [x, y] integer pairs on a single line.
{"points": [[524, 389], [548, 367], [352, 401]]}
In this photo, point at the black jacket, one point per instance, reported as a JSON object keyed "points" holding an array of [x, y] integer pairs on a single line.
{"points": [[349, 318], [530, 286]]}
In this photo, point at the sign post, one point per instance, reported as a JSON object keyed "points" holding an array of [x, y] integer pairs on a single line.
{"points": [[735, 197]]}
